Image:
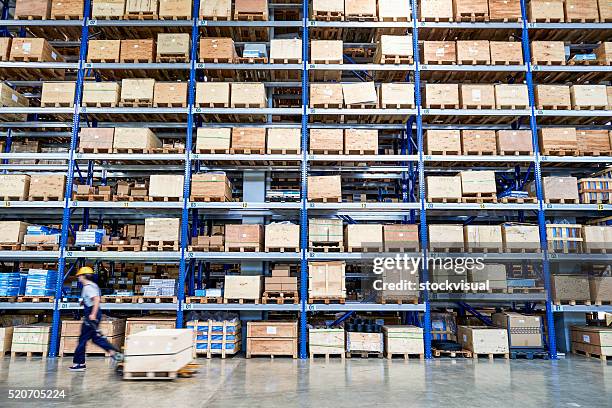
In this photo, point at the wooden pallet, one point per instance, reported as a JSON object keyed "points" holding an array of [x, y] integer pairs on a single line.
{"points": [[164, 199], [121, 248], [515, 153], [572, 302], [452, 354], [399, 300], [271, 355], [327, 15], [160, 246], [136, 103], [483, 250], [365, 249], [40, 247], [8, 299], [491, 356], [203, 299], [203, 248], [10, 247], [364, 354], [280, 297], [45, 198], [327, 355], [325, 246], [186, 372], [405, 356], [28, 354], [598, 302], [560, 152], [587, 354], [562, 201], [445, 152], [282, 249], [11, 198], [527, 353], [519, 200], [245, 248], [92, 197], [156, 299], [118, 299], [479, 198], [326, 300], [401, 250], [241, 301], [443, 199], [35, 299]]}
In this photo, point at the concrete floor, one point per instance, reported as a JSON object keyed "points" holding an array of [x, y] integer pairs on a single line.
{"points": [[237, 382]]}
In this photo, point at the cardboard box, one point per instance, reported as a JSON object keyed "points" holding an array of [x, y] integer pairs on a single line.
{"points": [[506, 52], [326, 280], [323, 230], [442, 188], [135, 325], [565, 288], [600, 288], [394, 10], [523, 330], [479, 237], [37, 9], [473, 52], [31, 338], [162, 229], [519, 237], [96, 138], [213, 186], [442, 96], [212, 94], [560, 188], [56, 94], [442, 141], [170, 94], [209, 140], [400, 236], [589, 96], [216, 10], [166, 185], [511, 96], [439, 52], [514, 141], [248, 95], [172, 47], [243, 235], [552, 96], [137, 90], [326, 95], [368, 342], [361, 141], [594, 238], [242, 287], [492, 274], [354, 9], [543, 11], [403, 340], [47, 185], [60, 9], [326, 140], [443, 236], [593, 141], [553, 139], [282, 235], [135, 138], [483, 340], [217, 50], [473, 182], [321, 188], [478, 142], [100, 94], [137, 50], [471, 10], [326, 52], [394, 49], [108, 8], [548, 52], [504, 10], [363, 236], [397, 284], [158, 350], [359, 93], [251, 9], [580, 11], [284, 141], [286, 51], [173, 9], [436, 10], [477, 96], [14, 187], [326, 341], [592, 340], [396, 96], [248, 140], [103, 50]]}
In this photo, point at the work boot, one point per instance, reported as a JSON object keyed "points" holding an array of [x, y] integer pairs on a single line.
{"points": [[118, 357], [77, 367]]}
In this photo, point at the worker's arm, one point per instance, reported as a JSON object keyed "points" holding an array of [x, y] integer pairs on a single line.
{"points": [[95, 307]]}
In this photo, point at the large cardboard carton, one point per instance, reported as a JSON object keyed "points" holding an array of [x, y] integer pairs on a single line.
{"points": [[242, 287], [523, 330], [483, 340]]}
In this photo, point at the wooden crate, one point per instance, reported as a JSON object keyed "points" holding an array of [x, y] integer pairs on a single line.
{"points": [[398, 285], [552, 97], [326, 95], [12, 232], [272, 338], [326, 280], [359, 10], [67, 9], [242, 287], [33, 49], [581, 11], [96, 139], [137, 51], [107, 9], [217, 50], [251, 10], [546, 11], [286, 51], [134, 325], [521, 237], [248, 236], [162, 229], [394, 10], [506, 52], [594, 238], [325, 188], [47, 185], [436, 10], [14, 186], [172, 47], [327, 10], [399, 237], [211, 186], [32, 338], [211, 140], [141, 9], [439, 52], [594, 190], [478, 142], [560, 189], [592, 341], [326, 140], [604, 53], [248, 140], [364, 237], [5, 48], [326, 341], [483, 340], [483, 237], [589, 97], [364, 342], [601, 287], [478, 182], [396, 96], [513, 96], [443, 142], [442, 96], [103, 50], [361, 141], [139, 139], [56, 94], [32, 9], [284, 141], [108, 326], [394, 49], [473, 52], [548, 52], [6, 338], [325, 231], [216, 10], [326, 52], [558, 140], [566, 288], [605, 11], [443, 189], [360, 94], [10, 97], [280, 235], [505, 10], [170, 94], [175, 9], [248, 95], [137, 92], [403, 340], [471, 10], [101, 94], [477, 96], [564, 238], [166, 185], [593, 142], [212, 94]]}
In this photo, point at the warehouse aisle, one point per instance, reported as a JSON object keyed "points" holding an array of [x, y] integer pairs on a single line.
{"points": [[259, 382]]}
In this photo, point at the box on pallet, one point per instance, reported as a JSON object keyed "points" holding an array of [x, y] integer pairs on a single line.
{"points": [[591, 340], [605, 11], [473, 52], [217, 50], [209, 140], [593, 141], [216, 337], [394, 10], [160, 350], [213, 94], [96, 138], [396, 95], [548, 52], [485, 237], [504, 10], [403, 340], [36, 9], [443, 236], [475, 182], [282, 235], [326, 280], [478, 142], [32, 338], [243, 236], [135, 138], [324, 188], [439, 52], [363, 236], [506, 52], [493, 275], [477, 96], [175, 9], [443, 141], [397, 285], [248, 95], [436, 10], [570, 288], [558, 139], [162, 229], [394, 49], [604, 53], [272, 338], [172, 47], [325, 231], [251, 10], [520, 237], [359, 93], [67, 9], [14, 187], [558, 189], [581, 11], [523, 330], [326, 341], [101, 94], [166, 185], [33, 49], [12, 232], [141, 8], [211, 186], [139, 91], [600, 288], [514, 142], [326, 52], [545, 11], [364, 342], [326, 95], [170, 94], [594, 238], [512, 96], [442, 188], [356, 9], [589, 96], [242, 287], [552, 96], [483, 340], [103, 50], [443, 96], [284, 141], [400, 236], [361, 141], [47, 185], [286, 51], [135, 325], [471, 10], [108, 8], [56, 94], [216, 10], [249, 140], [137, 51]]}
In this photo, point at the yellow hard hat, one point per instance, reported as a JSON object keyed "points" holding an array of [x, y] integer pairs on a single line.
{"points": [[85, 270]]}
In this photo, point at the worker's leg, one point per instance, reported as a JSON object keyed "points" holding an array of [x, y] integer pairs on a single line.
{"points": [[86, 334], [101, 341]]}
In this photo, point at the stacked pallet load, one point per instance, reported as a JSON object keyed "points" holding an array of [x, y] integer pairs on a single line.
{"points": [[216, 337], [280, 288], [31, 340], [592, 341], [403, 341], [484, 341], [272, 338], [113, 329], [327, 342], [135, 325]]}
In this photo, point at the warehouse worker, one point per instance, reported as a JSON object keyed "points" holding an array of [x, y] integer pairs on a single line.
{"points": [[92, 317]]}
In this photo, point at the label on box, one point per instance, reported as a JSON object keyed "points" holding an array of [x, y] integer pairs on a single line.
{"points": [[439, 52], [586, 338], [476, 94], [465, 338], [53, 55], [26, 48], [270, 329], [151, 327], [14, 97]]}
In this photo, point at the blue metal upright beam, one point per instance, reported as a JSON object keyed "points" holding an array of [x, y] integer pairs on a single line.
{"points": [[61, 265], [552, 344]]}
